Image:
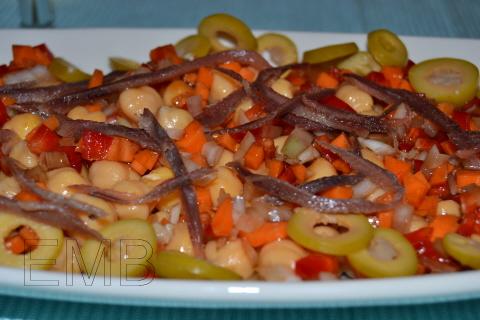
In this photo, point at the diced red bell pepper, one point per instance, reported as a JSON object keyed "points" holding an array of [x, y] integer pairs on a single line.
{"points": [[470, 223], [287, 175], [309, 267], [94, 145], [3, 113], [42, 139], [420, 240], [75, 158], [462, 119], [28, 56], [334, 102], [165, 52], [472, 103], [377, 77]]}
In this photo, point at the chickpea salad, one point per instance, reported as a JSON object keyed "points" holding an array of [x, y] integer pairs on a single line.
{"points": [[242, 162]]}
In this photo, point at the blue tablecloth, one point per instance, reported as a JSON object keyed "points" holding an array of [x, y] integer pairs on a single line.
{"points": [[460, 18]]}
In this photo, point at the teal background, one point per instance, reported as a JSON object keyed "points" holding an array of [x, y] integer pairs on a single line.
{"points": [[447, 18]]}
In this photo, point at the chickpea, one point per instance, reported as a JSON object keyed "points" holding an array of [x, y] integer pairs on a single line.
{"points": [[222, 86], [96, 223], [283, 252], [450, 207], [371, 156], [133, 101], [181, 239], [61, 260], [227, 181], [23, 124], [226, 157], [81, 113], [417, 223], [124, 211], [60, 179], [173, 118], [158, 175], [320, 168], [235, 255], [283, 87], [22, 154], [9, 186], [175, 89], [106, 173], [359, 100]]}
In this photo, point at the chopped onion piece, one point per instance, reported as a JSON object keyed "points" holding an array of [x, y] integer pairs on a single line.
{"points": [[363, 188], [296, 143], [401, 112], [194, 105], [402, 217], [245, 144], [36, 75], [434, 158], [238, 208], [376, 146], [175, 134], [212, 152], [308, 154]]}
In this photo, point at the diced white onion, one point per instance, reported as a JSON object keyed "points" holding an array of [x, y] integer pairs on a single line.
{"points": [[238, 208], [36, 74], [401, 112], [175, 213], [376, 146], [363, 188], [402, 217], [212, 152], [245, 144], [434, 158], [175, 134], [194, 105], [308, 154]]}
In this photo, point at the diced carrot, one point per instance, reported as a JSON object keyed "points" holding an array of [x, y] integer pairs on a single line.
{"points": [[96, 80], [393, 75], [416, 187], [439, 175], [144, 160], [199, 159], [30, 237], [254, 156], [204, 199], [398, 167], [339, 192], [300, 172], [51, 123], [467, 177], [122, 150], [341, 141], [227, 141], [446, 108], [25, 195], [268, 232], [428, 206], [193, 139], [325, 80], [202, 90], [28, 56], [190, 78], [165, 52], [275, 167], [442, 225], [231, 65], [248, 74], [405, 85], [7, 101], [205, 76], [222, 222], [385, 219], [16, 244], [255, 112], [94, 107], [448, 147]]}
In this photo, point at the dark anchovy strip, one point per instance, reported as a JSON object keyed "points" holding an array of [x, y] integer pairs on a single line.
{"points": [[461, 138], [218, 113], [157, 193], [53, 197], [48, 213], [170, 152], [290, 193], [325, 183]]}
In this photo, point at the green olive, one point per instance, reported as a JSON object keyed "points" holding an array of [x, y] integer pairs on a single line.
{"points": [[388, 255], [177, 265], [387, 48], [49, 246], [361, 63], [130, 239], [445, 80], [464, 250], [281, 48], [221, 25], [123, 64], [66, 71], [194, 46], [314, 231], [330, 53]]}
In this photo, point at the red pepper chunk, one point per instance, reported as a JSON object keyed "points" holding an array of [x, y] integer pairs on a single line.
{"points": [[334, 102], [462, 119], [165, 52], [309, 267], [470, 224], [74, 158], [42, 139], [3, 113], [94, 145]]}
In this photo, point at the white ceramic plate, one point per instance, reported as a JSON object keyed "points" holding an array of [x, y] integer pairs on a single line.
{"points": [[89, 49]]}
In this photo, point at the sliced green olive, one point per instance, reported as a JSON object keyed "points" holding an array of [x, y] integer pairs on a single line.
{"points": [[330, 53], [177, 265], [281, 48], [48, 248], [361, 63], [387, 48], [221, 25], [66, 71], [388, 255], [464, 250], [445, 80], [318, 231], [194, 46], [131, 243], [123, 64]]}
